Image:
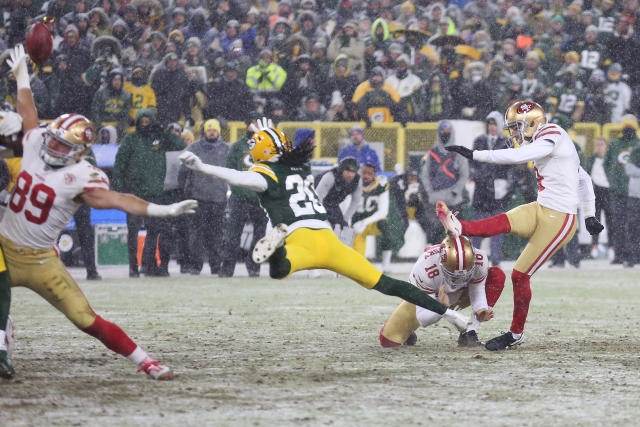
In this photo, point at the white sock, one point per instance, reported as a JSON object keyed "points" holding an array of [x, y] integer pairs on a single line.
{"points": [[386, 260], [3, 338], [137, 356], [516, 336], [475, 324]]}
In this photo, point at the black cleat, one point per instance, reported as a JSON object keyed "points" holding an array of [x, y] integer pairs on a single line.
{"points": [[412, 340], [503, 342], [469, 339], [6, 370]]}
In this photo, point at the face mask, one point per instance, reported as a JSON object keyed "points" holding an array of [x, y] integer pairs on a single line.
{"points": [[143, 130], [444, 138], [628, 133], [138, 81]]}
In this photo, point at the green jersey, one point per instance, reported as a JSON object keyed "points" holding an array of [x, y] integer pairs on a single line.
{"points": [[371, 201], [566, 99], [290, 197]]}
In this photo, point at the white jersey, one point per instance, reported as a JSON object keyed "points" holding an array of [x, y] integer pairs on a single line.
{"points": [[427, 276], [556, 164], [43, 199]]}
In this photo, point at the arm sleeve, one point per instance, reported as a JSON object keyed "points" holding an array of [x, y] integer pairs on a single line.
{"points": [[247, 179], [632, 170], [356, 197], [325, 184], [586, 194], [478, 296], [524, 154]]}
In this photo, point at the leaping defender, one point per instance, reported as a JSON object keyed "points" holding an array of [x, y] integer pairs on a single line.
{"points": [[302, 238]]}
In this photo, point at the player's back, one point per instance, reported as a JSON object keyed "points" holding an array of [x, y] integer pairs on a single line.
{"points": [[291, 197], [557, 173], [44, 198]]}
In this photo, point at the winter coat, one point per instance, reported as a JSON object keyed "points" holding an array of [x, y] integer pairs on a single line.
{"points": [[199, 186], [140, 166], [444, 174]]}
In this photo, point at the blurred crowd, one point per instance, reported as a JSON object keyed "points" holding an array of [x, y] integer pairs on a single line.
{"points": [[315, 60], [138, 68]]}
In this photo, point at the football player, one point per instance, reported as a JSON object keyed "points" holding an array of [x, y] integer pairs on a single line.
{"points": [[456, 274], [53, 183], [302, 238], [550, 222]]}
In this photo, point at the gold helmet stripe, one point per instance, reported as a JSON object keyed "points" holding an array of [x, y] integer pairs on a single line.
{"points": [[276, 139]]}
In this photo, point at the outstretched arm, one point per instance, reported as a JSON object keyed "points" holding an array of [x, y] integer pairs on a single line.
{"points": [[17, 61], [507, 156], [251, 180], [108, 199]]}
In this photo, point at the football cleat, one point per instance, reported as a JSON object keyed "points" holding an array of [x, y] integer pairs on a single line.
{"points": [[412, 340], [469, 339], [266, 246], [457, 319], [155, 370], [448, 218], [6, 370], [504, 341]]}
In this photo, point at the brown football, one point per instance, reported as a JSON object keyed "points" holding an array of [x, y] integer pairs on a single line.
{"points": [[39, 43]]}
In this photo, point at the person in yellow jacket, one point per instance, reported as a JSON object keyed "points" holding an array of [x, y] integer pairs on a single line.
{"points": [[266, 76], [142, 94]]}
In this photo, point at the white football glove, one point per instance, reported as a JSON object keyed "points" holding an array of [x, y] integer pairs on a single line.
{"points": [[262, 124], [191, 160], [174, 209], [17, 62]]}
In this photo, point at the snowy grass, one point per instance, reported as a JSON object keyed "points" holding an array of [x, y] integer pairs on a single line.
{"points": [[306, 352]]}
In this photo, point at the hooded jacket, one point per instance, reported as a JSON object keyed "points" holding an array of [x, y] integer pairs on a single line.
{"points": [[444, 173], [141, 164]]}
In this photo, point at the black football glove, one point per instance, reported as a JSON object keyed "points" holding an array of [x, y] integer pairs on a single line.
{"points": [[461, 150], [593, 225]]}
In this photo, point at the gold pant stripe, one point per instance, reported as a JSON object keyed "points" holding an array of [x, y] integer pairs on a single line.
{"points": [[309, 249], [43, 272]]}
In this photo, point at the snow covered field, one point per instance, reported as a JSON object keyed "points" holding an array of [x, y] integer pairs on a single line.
{"points": [[305, 352]]}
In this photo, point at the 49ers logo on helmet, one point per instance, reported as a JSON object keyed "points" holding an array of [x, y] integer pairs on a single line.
{"points": [[88, 134], [525, 107]]}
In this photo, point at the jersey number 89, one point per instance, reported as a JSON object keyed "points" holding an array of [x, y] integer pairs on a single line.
{"points": [[41, 197]]}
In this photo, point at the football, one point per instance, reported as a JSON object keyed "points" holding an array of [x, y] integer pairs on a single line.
{"points": [[39, 43]]}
